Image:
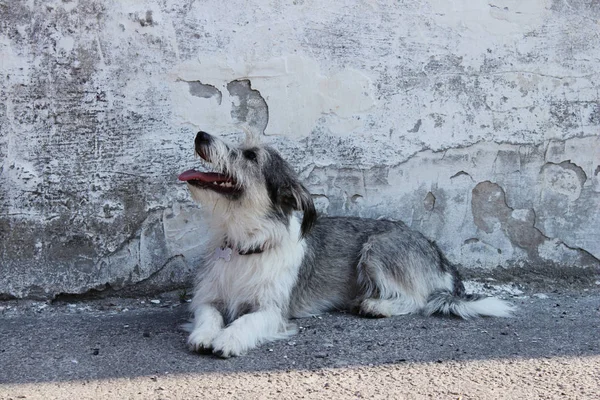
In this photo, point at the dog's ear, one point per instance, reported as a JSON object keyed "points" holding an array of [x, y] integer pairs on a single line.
{"points": [[294, 196], [251, 138], [287, 193], [304, 203]]}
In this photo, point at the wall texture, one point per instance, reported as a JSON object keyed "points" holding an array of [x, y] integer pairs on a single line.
{"points": [[476, 122]]}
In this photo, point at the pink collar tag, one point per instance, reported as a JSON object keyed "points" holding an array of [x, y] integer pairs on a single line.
{"points": [[224, 253]]}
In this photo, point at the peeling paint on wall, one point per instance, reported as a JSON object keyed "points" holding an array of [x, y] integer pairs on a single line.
{"points": [[249, 107], [204, 91], [477, 124], [296, 91]]}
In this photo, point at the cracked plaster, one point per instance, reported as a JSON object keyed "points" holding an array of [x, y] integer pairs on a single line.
{"points": [[477, 124]]}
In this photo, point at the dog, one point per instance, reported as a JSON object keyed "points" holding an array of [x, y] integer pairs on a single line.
{"points": [[264, 265]]}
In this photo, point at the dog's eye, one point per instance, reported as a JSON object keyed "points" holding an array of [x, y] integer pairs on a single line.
{"points": [[250, 155]]}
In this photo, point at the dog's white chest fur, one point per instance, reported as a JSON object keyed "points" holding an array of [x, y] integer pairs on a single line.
{"points": [[260, 279]]}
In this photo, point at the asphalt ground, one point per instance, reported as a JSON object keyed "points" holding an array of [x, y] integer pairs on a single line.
{"points": [[134, 348]]}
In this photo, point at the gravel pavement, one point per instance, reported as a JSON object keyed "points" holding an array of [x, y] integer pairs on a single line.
{"points": [[133, 348]]}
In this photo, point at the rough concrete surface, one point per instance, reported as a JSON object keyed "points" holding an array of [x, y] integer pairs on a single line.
{"points": [[116, 348], [477, 123]]}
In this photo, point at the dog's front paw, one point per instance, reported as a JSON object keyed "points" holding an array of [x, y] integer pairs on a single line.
{"points": [[228, 344], [200, 340]]}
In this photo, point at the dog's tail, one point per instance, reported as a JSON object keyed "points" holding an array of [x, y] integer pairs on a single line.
{"points": [[467, 305], [456, 301]]}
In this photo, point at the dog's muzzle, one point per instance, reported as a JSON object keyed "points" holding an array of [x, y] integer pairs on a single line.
{"points": [[218, 182], [202, 142]]}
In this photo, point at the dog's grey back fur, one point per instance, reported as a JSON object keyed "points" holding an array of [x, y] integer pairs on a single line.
{"points": [[332, 274]]}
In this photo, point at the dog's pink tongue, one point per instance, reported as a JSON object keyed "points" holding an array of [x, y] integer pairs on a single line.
{"points": [[193, 175], [189, 175]]}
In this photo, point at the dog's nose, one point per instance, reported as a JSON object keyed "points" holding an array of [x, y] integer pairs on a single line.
{"points": [[202, 138]]}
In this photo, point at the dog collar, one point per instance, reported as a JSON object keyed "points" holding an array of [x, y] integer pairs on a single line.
{"points": [[226, 250], [255, 250]]}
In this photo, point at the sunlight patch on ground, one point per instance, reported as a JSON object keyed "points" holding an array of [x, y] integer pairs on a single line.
{"points": [[561, 377]]}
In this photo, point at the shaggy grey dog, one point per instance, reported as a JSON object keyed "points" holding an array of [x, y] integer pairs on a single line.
{"points": [[263, 265]]}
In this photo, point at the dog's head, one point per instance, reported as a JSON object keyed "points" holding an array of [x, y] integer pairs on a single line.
{"points": [[248, 179]]}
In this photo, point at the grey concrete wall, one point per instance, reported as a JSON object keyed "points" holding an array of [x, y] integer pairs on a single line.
{"points": [[477, 122]]}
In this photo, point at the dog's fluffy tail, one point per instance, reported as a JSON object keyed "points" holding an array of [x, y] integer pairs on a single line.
{"points": [[455, 300], [467, 305]]}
